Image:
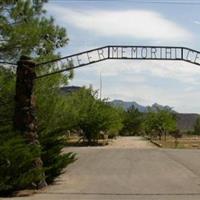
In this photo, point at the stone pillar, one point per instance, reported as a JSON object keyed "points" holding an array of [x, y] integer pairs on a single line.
{"points": [[25, 120]]}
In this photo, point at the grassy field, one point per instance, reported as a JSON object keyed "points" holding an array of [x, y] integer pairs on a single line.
{"points": [[186, 142]]}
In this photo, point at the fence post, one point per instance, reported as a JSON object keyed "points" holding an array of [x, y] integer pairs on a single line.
{"points": [[25, 120]]}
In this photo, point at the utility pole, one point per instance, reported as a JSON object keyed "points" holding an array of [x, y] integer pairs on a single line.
{"points": [[100, 86]]}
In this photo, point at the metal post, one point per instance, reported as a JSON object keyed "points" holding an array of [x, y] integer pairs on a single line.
{"points": [[108, 52], [182, 54], [25, 120]]}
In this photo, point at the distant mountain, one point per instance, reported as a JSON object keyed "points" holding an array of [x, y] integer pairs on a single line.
{"points": [[156, 105], [127, 104], [69, 89], [185, 121]]}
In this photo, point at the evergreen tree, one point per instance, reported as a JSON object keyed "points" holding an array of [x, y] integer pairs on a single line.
{"points": [[25, 30]]}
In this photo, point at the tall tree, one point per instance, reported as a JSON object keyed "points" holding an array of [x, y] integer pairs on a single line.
{"points": [[93, 115], [26, 30]]}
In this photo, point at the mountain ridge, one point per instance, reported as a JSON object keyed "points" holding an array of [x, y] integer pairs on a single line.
{"points": [[127, 104], [185, 121]]}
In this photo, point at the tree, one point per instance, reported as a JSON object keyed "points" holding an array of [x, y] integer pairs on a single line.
{"points": [[197, 126], [25, 29], [92, 115], [160, 122], [132, 122], [176, 134], [7, 87]]}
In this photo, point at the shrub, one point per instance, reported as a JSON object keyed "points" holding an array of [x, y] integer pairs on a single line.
{"points": [[53, 159], [16, 165]]}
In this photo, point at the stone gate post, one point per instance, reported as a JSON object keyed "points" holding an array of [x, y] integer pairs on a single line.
{"points": [[25, 120]]}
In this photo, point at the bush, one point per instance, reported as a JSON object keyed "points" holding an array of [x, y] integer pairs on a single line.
{"points": [[53, 161], [16, 166]]}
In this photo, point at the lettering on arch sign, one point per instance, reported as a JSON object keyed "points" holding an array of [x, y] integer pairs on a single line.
{"points": [[135, 53], [124, 52], [154, 53]]}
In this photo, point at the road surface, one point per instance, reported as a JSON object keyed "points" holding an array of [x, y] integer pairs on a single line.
{"points": [[127, 173]]}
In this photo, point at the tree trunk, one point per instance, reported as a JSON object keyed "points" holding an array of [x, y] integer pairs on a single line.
{"points": [[160, 136], [165, 135]]}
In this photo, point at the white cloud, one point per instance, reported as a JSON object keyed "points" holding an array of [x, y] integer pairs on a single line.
{"points": [[139, 24], [147, 95], [197, 22], [131, 81], [179, 71]]}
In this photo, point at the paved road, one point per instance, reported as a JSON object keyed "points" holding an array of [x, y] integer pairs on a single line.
{"points": [[128, 174]]}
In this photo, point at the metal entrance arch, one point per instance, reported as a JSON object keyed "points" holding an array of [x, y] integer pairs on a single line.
{"points": [[122, 52], [25, 119]]}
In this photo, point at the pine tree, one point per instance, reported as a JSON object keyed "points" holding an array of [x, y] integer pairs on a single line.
{"points": [[25, 30]]}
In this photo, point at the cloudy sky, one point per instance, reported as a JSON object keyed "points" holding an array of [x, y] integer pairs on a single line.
{"points": [[92, 24]]}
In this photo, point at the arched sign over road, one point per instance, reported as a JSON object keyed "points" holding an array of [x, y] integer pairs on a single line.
{"points": [[126, 53], [25, 120]]}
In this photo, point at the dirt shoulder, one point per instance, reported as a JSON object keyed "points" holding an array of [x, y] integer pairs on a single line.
{"points": [[131, 142]]}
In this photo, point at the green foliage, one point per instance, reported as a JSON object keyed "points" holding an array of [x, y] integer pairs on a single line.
{"points": [[133, 120], [197, 126], [24, 29], [54, 119], [93, 115], [54, 162], [159, 123], [16, 165], [189, 132]]}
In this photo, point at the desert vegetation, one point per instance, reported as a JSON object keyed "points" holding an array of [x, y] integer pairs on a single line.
{"points": [[27, 30]]}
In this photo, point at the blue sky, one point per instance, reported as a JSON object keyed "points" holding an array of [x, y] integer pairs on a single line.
{"points": [[92, 24]]}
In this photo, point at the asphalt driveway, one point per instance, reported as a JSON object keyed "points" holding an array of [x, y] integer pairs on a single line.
{"points": [[128, 173]]}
